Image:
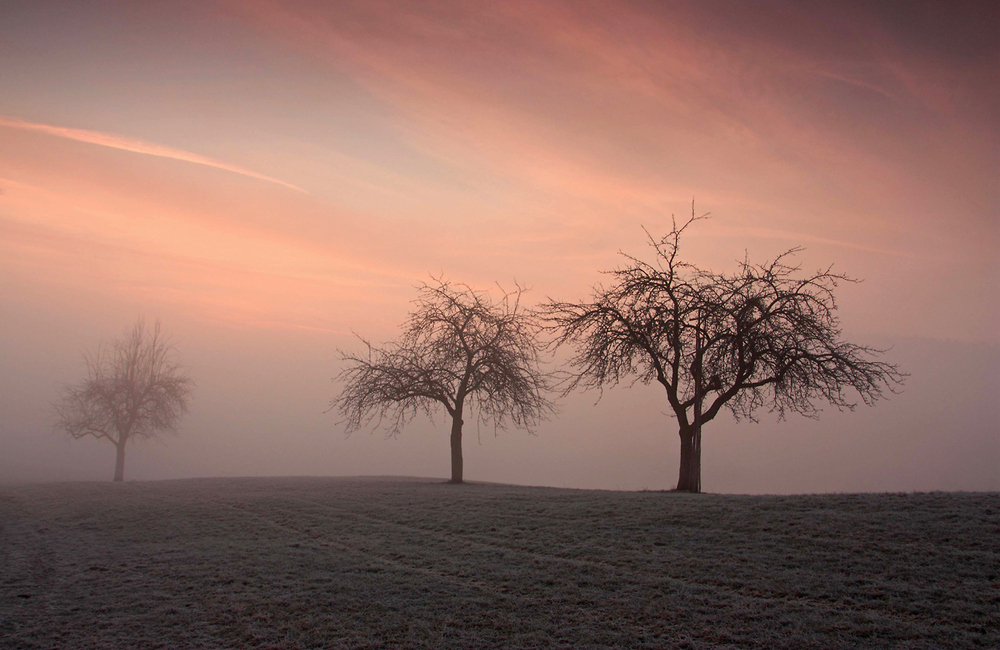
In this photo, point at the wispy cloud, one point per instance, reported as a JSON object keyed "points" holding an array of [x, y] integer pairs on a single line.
{"points": [[136, 146], [798, 237]]}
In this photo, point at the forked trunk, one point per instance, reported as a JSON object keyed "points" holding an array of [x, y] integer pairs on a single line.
{"points": [[689, 479], [120, 461], [456, 449]]}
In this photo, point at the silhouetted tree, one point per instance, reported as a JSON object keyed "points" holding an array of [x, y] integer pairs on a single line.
{"points": [[134, 389], [459, 349], [764, 336]]}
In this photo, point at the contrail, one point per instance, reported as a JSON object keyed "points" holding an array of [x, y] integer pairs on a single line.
{"points": [[137, 146]]}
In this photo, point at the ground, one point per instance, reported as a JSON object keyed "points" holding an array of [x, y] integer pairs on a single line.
{"points": [[387, 563]]}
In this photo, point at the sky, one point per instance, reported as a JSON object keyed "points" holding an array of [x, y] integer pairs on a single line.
{"points": [[268, 178]]}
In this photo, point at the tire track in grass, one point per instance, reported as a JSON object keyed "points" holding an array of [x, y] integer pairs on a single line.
{"points": [[755, 592], [215, 607], [741, 599], [81, 573], [477, 541], [745, 598], [183, 535], [26, 577], [26, 551], [523, 605], [751, 604], [324, 541], [754, 599], [746, 601]]}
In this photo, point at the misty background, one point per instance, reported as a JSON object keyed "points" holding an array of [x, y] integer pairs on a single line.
{"points": [[260, 400], [266, 178]]}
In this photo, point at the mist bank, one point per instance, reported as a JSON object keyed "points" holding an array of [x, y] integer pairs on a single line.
{"points": [[259, 403]]}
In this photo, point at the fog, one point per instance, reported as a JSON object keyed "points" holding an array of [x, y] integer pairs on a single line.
{"points": [[267, 179], [260, 401]]}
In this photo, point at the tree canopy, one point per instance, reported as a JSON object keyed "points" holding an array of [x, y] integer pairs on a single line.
{"points": [[764, 336], [134, 389], [460, 349]]}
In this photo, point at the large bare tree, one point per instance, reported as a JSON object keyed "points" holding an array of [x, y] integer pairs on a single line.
{"points": [[134, 389], [461, 350], [764, 336]]}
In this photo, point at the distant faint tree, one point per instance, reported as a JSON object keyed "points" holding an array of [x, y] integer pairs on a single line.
{"points": [[133, 390], [460, 349], [764, 336]]}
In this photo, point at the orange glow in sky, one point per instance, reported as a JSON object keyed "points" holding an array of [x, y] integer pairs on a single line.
{"points": [[267, 177]]}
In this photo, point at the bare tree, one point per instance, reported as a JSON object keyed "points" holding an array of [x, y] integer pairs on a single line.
{"points": [[459, 350], [133, 390], [764, 336]]}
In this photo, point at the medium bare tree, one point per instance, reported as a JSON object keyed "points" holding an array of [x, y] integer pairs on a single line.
{"points": [[764, 336], [133, 390], [459, 350]]}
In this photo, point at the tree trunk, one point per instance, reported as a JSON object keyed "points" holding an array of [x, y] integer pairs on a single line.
{"points": [[120, 461], [689, 478], [456, 449]]}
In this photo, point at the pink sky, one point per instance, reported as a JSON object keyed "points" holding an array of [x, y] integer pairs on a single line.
{"points": [[266, 177]]}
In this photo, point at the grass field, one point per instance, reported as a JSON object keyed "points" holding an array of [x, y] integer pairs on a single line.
{"points": [[325, 563]]}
